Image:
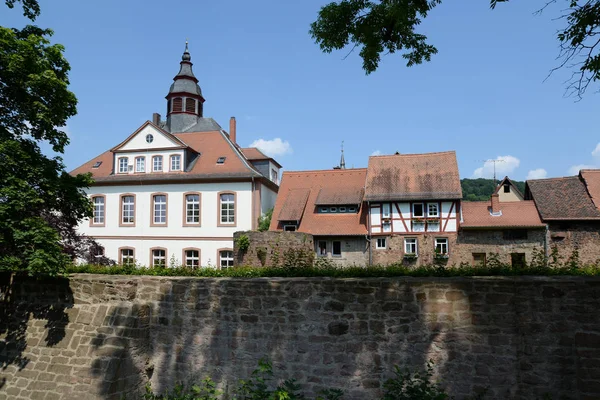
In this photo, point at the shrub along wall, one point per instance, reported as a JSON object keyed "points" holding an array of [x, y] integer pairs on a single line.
{"points": [[99, 336]]}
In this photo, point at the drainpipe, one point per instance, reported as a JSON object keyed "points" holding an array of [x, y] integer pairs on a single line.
{"points": [[369, 233], [546, 241]]}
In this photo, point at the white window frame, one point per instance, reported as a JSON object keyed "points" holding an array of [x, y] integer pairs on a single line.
{"points": [[128, 210], [385, 210], [342, 209], [437, 210], [123, 166], [159, 257], [227, 212], [422, 212], [227, 259], [159, 209], [442, 242], [127, 259], [324, 209], [333, 209], [140, 164], [381, 243], [192, 208], [99, 210], [157, 163], [176, 162], [333, 248], [287, 227], [409, 244], [192, 258]]}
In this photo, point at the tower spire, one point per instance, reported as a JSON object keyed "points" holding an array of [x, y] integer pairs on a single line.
{"points": [[342, 161], [184, 100]]}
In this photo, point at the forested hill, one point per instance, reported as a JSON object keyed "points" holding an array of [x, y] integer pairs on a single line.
{"points": [[482, 189]]}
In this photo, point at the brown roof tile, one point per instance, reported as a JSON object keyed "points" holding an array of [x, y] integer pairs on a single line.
{"points": [[591, 178], [413, 177], [335, 196], [341, 180], [254, 154], [294, 204], [515, 214], [562, 199]]}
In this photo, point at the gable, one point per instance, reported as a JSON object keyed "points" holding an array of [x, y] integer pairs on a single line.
{"points": [[508, 191], [160, 140]]}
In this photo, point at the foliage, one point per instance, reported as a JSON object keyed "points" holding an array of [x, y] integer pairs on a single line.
{"points": [[407, 385], [481, 189], [40, 203], [325, 268], [207, 390], [298, 257], [264, 221], [242, 242], [261, 254], [389, 26]]}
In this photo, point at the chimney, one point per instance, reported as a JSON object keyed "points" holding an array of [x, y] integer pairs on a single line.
{"points": [[495, 203], [232, 129], [156, 118]]}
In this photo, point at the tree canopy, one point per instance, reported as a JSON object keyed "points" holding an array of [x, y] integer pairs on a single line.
{"points": [[40, 203], [390, 26]]}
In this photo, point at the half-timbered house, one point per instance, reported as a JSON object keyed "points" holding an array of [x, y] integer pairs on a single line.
{"points": [[413, 202]]}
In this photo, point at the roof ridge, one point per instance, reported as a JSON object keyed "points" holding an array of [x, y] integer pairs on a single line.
{"points": [[337, 171], [415, 154]]}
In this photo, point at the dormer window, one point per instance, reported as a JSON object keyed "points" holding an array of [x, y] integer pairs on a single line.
{"points": [[123, 167], [221, 160], [506, 188], [98, 163], [149, 138]]}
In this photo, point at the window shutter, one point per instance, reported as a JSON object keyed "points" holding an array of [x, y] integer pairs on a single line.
{"points": [[190, 105], [177, 104]]}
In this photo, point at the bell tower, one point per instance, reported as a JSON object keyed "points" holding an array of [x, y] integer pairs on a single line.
{"points": [[184, 100]]}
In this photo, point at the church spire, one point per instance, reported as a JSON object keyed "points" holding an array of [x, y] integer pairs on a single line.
{"points": [[342, 161], [184, 100]]}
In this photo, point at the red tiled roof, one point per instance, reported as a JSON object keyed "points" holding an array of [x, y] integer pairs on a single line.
{"points": [[413, 177], [294, 204], [254, 154], [591, 178], [515, 214], [335, 196], [209, 145], [341, 180], [562, 199]]}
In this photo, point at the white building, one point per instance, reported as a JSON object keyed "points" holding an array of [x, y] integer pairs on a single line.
{"points": [[178, 188]]}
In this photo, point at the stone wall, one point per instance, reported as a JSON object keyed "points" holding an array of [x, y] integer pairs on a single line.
{"points": [[273, 244], [355, 250], [461, 247], [102, 337], [583, 236]]}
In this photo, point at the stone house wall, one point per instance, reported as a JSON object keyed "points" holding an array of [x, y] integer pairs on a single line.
{"points": [[271, 243], [105, 337], [570, 235], [355, 250], [394, 253]]}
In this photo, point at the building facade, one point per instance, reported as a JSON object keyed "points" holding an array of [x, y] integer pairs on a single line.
{"points": [[175, 191]]}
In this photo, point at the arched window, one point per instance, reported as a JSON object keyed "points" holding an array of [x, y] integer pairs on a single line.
{"points": [[190, 105], [177, 104]]}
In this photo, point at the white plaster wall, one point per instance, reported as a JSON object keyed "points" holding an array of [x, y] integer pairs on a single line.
{"points": [[267, 199], [405, 210], [112, 232], [138, 142], [446, 205], [208, 249]]}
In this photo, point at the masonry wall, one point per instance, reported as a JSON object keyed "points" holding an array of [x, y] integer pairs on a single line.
{"points": [[489, 241], [583, 236], [272, 244], [101, 337], [394, 253]]}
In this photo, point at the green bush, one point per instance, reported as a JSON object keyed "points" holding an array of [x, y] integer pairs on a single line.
{"points": [[407, 385], [324, 268], [242, 242]]}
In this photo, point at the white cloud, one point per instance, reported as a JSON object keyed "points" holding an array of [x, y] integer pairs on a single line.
{"points": [[376, 153], [272, 148], [596, 152], [574, 170], [539, 173], [505, 165]]}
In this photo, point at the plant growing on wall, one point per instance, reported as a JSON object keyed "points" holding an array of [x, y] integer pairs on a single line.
{"points": [[261, 254], [407, 385], [264, 221], [242, 242]]}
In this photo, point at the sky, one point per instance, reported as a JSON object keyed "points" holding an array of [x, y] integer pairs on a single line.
{"points": [[483, 95]]}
